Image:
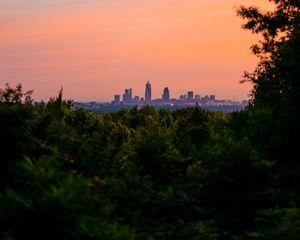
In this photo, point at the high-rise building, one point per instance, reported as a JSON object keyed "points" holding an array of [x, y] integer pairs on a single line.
{"points": [[148, 92], [166, 95], [127, 96], [212, 98], [182, 97], [136, 100], [130, 95], [197, 97], [190, 95], [116, 99], [205, 99]]}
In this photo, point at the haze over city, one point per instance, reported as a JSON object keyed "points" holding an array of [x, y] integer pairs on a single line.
{"points": [[95, 49]]}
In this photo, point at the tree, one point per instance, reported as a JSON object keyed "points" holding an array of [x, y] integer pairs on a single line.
{"points": [[48, 203], [276, 91], [17, 117], [15, 95], [276, 79], [276, 73]]}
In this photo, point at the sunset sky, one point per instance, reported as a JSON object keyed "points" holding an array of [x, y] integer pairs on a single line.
{"points": [[96, 48]]}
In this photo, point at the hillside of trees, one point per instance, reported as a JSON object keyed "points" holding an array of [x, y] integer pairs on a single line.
{"points": [[159, 174]]}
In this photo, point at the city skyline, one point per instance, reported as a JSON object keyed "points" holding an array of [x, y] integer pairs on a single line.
{"points": [[129, 100], [94, 48], [189, 96]]}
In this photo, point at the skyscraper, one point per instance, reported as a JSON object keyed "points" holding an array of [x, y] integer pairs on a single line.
{"points": [[136, 100], [148, 92], [190, 95], [166, 95], [116, 99], [127, 96], [130, 95], [197, 97]]}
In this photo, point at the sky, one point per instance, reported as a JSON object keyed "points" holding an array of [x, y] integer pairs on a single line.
{"points": [[95, 49]]}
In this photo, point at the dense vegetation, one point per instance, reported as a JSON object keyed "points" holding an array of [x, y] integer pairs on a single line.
{"points": [[160, 174]]}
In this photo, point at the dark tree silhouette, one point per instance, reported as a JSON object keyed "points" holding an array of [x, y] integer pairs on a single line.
{"points": [[15, 95]]}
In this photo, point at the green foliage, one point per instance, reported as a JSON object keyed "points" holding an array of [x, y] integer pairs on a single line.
{"points": [[278, 224], [193, 127], [275, 26], [16, 138], [276, 78], [236, 181], [277, 86], [49, 204], [138, 174], [15, 95]]}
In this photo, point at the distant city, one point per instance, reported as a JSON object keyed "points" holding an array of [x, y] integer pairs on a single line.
{"points": [[187, 99]]}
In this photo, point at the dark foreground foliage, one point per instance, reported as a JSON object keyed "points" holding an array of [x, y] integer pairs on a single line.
{"points": [[142, 174]]}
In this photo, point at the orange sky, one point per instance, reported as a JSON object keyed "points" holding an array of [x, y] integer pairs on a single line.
{"points": [[95, 49]]}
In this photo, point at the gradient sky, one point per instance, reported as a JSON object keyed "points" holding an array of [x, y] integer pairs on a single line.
{"points": [[96, 48]]}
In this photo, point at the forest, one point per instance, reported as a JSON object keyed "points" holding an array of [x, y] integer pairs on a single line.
{"points": [[161, 174]]}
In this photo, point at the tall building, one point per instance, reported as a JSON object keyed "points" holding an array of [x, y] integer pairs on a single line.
{"points": [[197, 97], [182, 97], [190, 95], [130, 95], [116, 99], [148, 92], [212, 98], [166, 95], [127, 96], [136, 100]]}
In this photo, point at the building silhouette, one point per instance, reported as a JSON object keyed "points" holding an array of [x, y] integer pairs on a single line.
{"points": [[166, 95], [136, 100], [187, 99], [197, 97], [130, 95], [148, 92], [116, 99], [190, 95], [127, 96]]}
